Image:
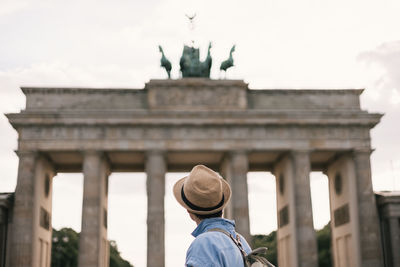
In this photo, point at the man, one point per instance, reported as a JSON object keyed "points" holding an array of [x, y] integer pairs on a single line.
{"points": [[204, 194]]}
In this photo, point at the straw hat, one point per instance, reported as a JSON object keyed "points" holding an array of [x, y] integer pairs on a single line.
{"points": [[203, 191]]}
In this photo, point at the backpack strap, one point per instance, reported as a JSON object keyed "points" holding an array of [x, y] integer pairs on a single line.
{"points": [[254, 255], [236, 240]]}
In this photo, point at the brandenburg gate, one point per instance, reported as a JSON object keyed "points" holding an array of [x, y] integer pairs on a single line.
{"points": [[171, 125]]}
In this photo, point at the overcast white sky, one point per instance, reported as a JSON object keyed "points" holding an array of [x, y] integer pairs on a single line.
{"points": [[279, 44]]}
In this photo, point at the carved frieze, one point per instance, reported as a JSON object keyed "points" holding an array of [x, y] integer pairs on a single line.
{"points": [[44, 219], [283, 218], [193, 132], [198, 94], [342, 215]]}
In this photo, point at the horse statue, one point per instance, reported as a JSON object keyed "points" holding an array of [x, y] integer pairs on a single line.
{"points": [[190, 63], [226, 64], [165, 62]]}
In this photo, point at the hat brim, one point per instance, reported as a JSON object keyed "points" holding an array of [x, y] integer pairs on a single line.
{"points": [[226, 190]]}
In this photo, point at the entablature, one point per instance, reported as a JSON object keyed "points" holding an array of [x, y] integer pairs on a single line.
{"points": [[190, 94], [171, 118]]}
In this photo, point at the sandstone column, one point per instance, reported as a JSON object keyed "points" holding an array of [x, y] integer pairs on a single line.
{"points": [[285, 203], [394, 226], [226, 173], [3, 234], [31, 235], [93, 244], [344, 212], [305, 233], [371, 250], [155, 168], [240, 200]]}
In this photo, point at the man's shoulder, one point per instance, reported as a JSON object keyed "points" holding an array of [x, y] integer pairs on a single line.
{"points": [[210, 240], [222, 240], [204, 251], [215, 249], [206, 238]]}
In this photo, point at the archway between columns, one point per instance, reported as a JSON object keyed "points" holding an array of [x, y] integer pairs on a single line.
{"points": [[127, 210], [262, 202], [127, 215], [178, 225], [319, 184], [66, 211]]}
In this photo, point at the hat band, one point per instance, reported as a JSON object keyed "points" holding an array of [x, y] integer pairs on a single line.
{"points": [[195, 207]]}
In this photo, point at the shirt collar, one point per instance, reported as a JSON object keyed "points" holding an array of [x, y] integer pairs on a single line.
{"points": [[211, 223]]}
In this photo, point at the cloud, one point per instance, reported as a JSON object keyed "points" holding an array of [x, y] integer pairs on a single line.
{"points": [[8, 7], [386, 58], [271, 49], [382, 95], [9, 167], [63, 74]]}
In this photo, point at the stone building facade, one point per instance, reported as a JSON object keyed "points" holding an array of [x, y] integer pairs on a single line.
{"points": [[6, 204], [389, 214], [171, 125]]}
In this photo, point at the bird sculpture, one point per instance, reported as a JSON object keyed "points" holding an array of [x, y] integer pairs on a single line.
{"points": [[165, 63], [226, 64]]}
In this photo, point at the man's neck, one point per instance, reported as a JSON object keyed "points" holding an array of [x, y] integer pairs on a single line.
{"points": [[196, 219]]}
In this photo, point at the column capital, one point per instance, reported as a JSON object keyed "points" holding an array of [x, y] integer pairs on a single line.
{"points": [[27, 153], [92, 152], [301, 151], [238, 151], [101, 155], [302, 155], [154, 155], [155, 152], [362, 150]]}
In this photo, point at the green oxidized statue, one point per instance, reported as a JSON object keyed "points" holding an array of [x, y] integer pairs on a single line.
{"points": [[165, 62], [190, 63], [226, 64]]}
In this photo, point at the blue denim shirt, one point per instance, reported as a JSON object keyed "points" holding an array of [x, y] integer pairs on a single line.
{"points": [[215, 249]]}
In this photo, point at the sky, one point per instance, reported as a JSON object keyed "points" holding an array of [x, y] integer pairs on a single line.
{"points": [[279, 44]]}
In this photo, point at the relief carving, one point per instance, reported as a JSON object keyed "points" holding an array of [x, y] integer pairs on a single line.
{"points": [[214, 98], [283, 218], [342, 215], [44, 220]]}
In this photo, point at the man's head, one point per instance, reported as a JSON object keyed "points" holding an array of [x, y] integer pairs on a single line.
{"points": [[203, 193]]}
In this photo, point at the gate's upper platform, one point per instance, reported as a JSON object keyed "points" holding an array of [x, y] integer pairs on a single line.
{"points": [[194, 120], [190, 94], [192, 101]]}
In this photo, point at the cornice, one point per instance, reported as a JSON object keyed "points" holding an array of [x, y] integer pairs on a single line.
{"points": [[79, 90], [195, 82], [190, 82], [306, 91], [309, 118]]}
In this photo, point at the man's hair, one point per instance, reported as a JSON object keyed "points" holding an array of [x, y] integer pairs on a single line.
{"points": [[206, 216]]}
